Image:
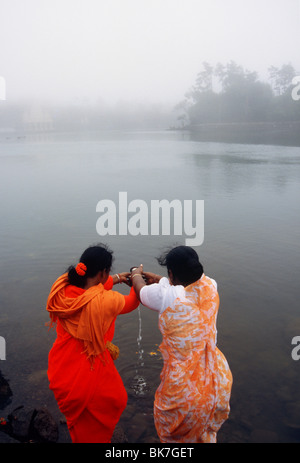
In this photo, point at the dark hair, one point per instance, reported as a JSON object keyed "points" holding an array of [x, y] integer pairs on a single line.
{"points": [[184, 263], [96, 258]]}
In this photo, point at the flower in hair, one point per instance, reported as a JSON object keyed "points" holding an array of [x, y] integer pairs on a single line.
{"points": [[81, 269]]}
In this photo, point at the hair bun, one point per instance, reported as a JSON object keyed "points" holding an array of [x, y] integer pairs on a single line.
{"points": [[81, 269]]}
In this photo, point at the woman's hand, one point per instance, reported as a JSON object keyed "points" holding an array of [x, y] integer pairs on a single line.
{"points": [[137, 270], [137, 279], [148, 277], [121, 278], [151, 278]]}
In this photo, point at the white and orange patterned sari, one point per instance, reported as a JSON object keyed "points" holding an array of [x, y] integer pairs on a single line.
{"points": [[192, 400]]}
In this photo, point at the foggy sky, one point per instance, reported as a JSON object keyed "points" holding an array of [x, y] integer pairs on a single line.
{"points": [[137, 50]]}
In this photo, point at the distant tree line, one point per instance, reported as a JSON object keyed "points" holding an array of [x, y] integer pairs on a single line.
{"points": [[229, 93]]}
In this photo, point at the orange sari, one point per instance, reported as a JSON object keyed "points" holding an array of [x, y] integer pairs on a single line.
{"points": [[192, 401], [81, 372]]}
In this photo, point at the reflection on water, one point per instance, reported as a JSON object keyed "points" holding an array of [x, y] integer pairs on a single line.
{"points": [[50, 189]]}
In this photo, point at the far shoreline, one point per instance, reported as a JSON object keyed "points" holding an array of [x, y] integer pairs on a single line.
{"points": [[265, 133]]}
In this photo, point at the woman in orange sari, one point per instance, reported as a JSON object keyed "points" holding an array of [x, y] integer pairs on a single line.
{"points": [[192, 400], [81, 371]]}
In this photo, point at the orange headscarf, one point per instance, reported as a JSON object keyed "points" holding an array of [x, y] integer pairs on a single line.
{"points": [[86, 317]]}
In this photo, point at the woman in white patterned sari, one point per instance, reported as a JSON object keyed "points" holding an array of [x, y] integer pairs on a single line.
{"points": [[192, 401]]}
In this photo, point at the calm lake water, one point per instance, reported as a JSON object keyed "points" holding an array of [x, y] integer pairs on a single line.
{"points": [[50, 186]]}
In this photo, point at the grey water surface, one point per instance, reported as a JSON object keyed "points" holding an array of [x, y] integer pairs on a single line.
{"points": [[50, 186]]}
